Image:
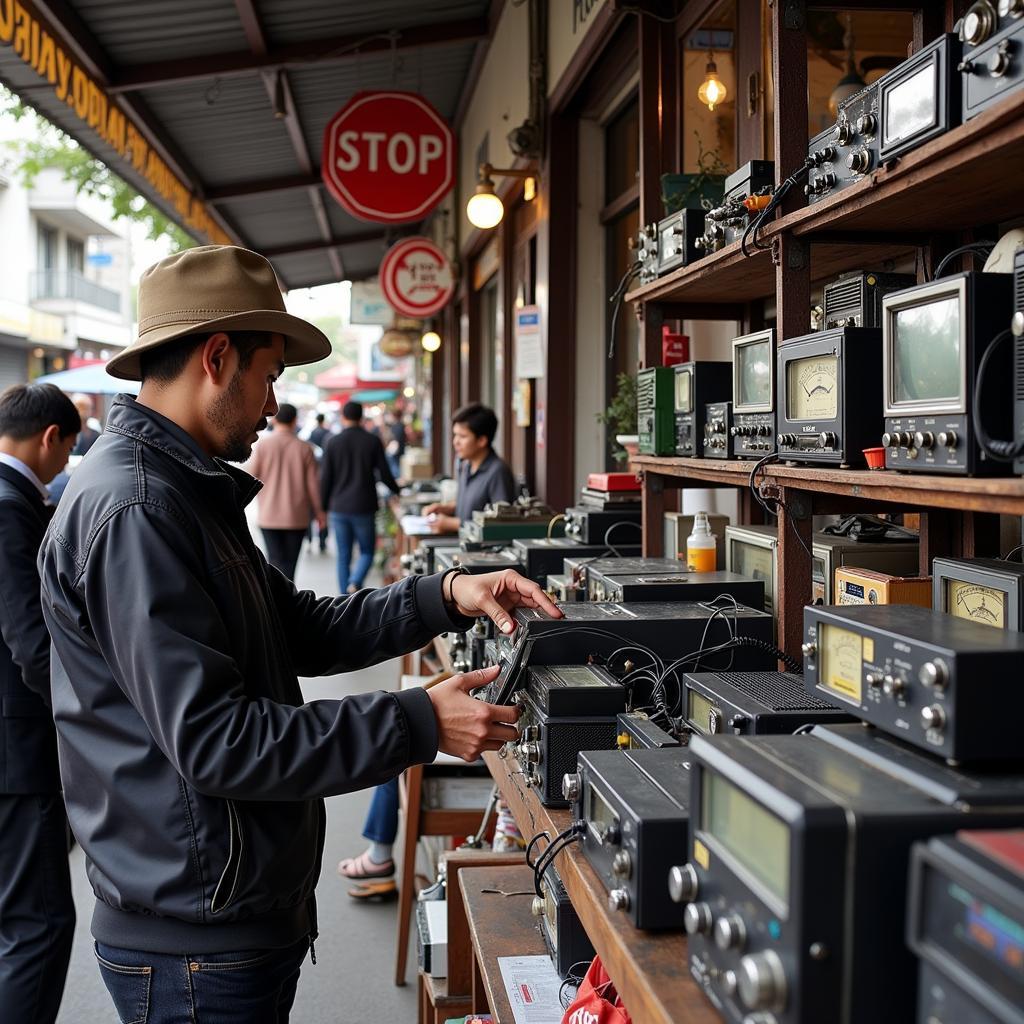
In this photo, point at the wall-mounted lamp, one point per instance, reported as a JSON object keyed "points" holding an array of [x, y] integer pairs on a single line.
{"points": [[712, 90], [485, 208], [431, 341], [409, 392]]}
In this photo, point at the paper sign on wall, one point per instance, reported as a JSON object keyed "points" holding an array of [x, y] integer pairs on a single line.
{"points": [[529, 350]]}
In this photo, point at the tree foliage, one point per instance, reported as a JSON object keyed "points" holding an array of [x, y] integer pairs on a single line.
{"points": [[48, 146]]}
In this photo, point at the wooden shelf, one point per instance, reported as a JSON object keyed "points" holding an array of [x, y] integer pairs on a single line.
{"points": [[649, 968], [980, 494]]}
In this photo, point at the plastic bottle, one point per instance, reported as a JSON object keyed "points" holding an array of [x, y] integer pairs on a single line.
{"points": [[701, 546]]}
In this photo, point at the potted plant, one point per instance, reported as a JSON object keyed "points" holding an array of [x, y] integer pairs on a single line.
{"points": [[701, 190], [620, 417]]}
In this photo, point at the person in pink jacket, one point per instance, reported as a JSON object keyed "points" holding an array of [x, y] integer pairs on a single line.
{"points": [[291, 490]]}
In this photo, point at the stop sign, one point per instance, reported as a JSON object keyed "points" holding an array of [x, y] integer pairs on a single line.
{"points": [[388, 157]]}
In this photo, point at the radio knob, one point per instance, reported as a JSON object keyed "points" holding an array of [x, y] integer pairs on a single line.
{"points": [[924, 439], [978, 23], [537, 907], [730, 933], [530, 733], [697, 918], [622, 865], [844, 133], [874, 680], [828, 179], [866, 124], [729, 982], [611, 835], [809, 649], [736, 431], [894, 686], [889, 440], [948, 439], [762, 981], [827, 439], [999, 61], [859, 161], [764, 430], [714, 721], [571, 786], [826, 154], [1017, 323], [934, 673], [618, 899], [1011, 8], [683, 883], [531, 753], [933, 717]]}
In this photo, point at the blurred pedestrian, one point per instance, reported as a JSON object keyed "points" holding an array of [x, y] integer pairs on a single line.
{"points": [[290, 498], [353, 463], [88, 435], [38, 427], [395, 441], [319, 434]]}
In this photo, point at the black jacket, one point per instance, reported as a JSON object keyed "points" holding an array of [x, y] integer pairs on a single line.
{"points": [[193, 771], [28, 744], [353, 460]]}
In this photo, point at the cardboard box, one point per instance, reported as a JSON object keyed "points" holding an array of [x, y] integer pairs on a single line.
{"points": [[866, 586]]}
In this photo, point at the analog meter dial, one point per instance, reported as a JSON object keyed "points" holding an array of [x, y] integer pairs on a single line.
{"points": [[976, 602], [812, 388], [841, 662]]}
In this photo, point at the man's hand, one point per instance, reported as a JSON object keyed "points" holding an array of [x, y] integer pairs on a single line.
{"points": [[321, 520], [466, 727], [443, 524], [495, 593], [434, 506]]}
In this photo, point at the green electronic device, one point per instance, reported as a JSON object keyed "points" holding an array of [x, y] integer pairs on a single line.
{"points": [[655, 410]]}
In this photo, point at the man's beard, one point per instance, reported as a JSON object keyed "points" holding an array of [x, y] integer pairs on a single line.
{"points": [[225, 415]]}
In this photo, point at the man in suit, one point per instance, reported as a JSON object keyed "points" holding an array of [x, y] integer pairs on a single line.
{"points": [[38, 428]]}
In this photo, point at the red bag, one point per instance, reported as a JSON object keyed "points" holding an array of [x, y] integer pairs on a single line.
{"points": [[596, 1002]]}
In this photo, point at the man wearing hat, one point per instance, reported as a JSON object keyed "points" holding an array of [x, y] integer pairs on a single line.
{"points": [[193, 771]]}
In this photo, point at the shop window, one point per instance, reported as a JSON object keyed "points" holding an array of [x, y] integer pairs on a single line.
{"points": [[47, 252], [76, 256], [622, 152]]}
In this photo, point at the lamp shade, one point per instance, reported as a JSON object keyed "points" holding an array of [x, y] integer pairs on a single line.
{"points": [[484, 208]]}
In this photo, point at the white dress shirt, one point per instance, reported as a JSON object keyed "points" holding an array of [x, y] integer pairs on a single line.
{"points": [[16, 464]]}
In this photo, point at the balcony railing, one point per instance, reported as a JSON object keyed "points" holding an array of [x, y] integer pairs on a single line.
{"points": [[69, 284]]}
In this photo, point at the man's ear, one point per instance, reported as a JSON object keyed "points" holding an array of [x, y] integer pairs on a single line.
{"points": [[50, 438], [217, 358]]}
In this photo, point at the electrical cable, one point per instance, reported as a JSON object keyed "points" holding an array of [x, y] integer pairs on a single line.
{"points": [[611, 529], [554, 847], [616, 299], [1001, 451], [778, 196], [971, 248], [763, 501], [554, 519], [1009, 555]]}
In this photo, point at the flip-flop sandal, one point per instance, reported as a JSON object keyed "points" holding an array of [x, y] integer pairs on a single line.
{"points": [[358, 868], [375, 892]]}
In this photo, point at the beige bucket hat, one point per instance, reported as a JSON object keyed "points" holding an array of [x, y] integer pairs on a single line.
{"points": [[215, 288]]}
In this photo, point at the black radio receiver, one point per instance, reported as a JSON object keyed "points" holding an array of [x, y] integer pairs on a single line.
{"points": [[634, 804], [843, 154], [796, 887], [989, 591], [590, 525], [830, 408], [696, 384], [638, 732], [560, 927], [753, 395], [966, 924], [946, 685], [581, 568], [718, 430], [541, 557], [993, 41], [675, 586], [855, 300]]}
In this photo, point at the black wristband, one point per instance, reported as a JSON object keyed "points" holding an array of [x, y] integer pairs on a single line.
{"points": [[449, 601]]}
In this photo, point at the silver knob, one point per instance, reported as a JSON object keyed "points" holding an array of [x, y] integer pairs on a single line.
{"points": [[762, 981], [622, 864], [618, 899], [933, 717], [683, 883], [866, 124], [809, 649], [537, 907], [844, 133], [889, 440], [894, 686], [859, 161], [924, 439], [827, 439], [697, 918], [978, 23], [1011, 8], [571, 783], [531, 753], [874, 680], [948, 439], [730, 932], [934, 673], [1017, 323], [999, 61], [530, 733]]}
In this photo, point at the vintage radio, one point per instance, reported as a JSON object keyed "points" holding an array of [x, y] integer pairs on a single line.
{"points": [[525, 517], [636, 731], [993, 41], [797, 883], [753, 395], [943, 684], [580, 568], [920, 98], [459, 651], [541, 557], [670, 630], [564, 709], [830, 552], [677, 234], [843, 154], [560, 588], [1017, 332], [934, 336], [855, 300], [723, 225], [989, 591], [560, 927], [753, 551], [591, 525], [654, 410], [476, 562], [853, 585], [754, 176], [477, 640], [645, 253], [965, 922], [634, 805], [718, 430], [679, 526], [753, 703], [696, 384], [420, 561], [831, 396], [677, 586]]}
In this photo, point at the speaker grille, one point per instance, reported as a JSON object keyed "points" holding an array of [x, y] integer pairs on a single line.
{"points": [[779, 691]]}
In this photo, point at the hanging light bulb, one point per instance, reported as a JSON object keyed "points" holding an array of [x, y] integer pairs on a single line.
{"points": [[431, 341], [851, 82], [712, 90], [485, 209]]}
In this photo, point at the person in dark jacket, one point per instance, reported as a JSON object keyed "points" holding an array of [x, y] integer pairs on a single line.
{"points": [[38, 429], [194, 771], [353, 463]]}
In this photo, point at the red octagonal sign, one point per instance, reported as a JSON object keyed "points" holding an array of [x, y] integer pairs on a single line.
{"points": [[416, 277], [388, 157]]}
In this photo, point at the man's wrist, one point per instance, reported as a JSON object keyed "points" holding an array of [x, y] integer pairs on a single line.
{"points": [[448, 586]]}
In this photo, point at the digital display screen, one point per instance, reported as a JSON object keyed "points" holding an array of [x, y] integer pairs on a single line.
{"points": [[753, 837], [599, 813], [683, 391], [986, 941], [911, 106], [812, 388], [753, 374], [973, 601], [840, 653], [698, 710], [756, 562], [926, 352]]}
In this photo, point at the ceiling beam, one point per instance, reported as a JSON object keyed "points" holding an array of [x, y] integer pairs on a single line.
{"points": [[295, 55], [337, 242], [262, 187]]}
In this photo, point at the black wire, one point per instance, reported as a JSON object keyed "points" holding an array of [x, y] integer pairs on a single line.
{"points": [[972, 248], [778, 196], [778, 502], [541, 864], [611, 529], [1001, 451], [572, 979], [616, 298], [1009, 555]]}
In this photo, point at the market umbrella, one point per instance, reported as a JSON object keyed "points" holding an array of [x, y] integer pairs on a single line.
{"points": [[91, 380], [374, 395]]}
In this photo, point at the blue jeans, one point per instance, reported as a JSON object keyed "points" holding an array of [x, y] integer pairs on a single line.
{"points": [[381, 825], [361, 528], [252, 987]]}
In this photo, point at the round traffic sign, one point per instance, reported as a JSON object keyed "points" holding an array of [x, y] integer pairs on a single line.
{"points": [[416, 277], [388, 157]]}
